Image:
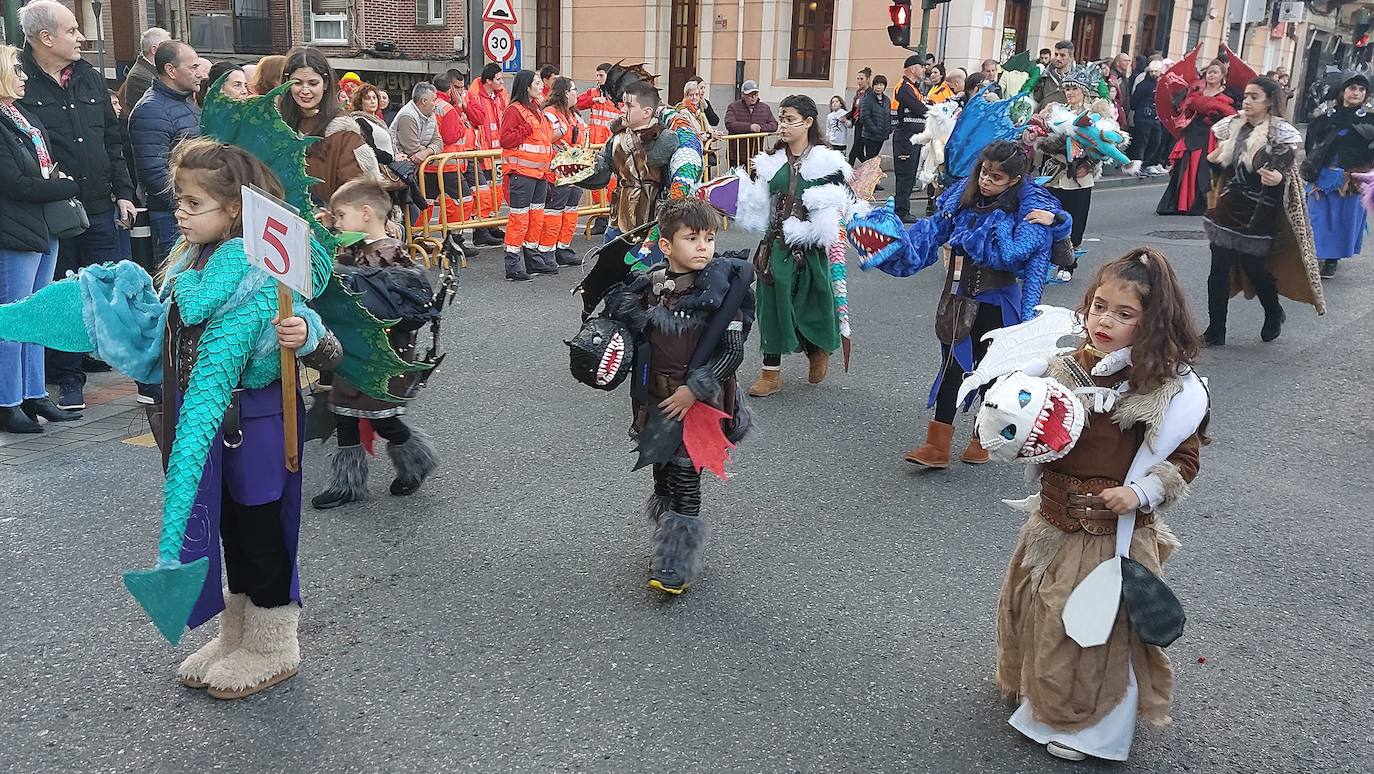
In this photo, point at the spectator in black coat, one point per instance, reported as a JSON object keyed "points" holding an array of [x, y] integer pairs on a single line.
{"points": [[875, 115], [69, 98], [1147, 133], [165, 116], [28, 252]]}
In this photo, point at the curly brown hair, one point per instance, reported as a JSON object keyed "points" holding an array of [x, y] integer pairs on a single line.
{"points": [[1167, 340], [355, 103]]}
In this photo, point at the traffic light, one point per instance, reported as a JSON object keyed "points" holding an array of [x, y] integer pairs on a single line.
{"points": [[899, 32]]}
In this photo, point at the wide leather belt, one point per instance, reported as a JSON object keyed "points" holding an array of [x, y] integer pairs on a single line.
{"points": [[1074, 504], [978, 279]]}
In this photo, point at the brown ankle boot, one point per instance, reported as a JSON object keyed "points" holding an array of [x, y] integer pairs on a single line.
{"points": [[770, 381], [974, 453], [820, 366], [934, 453]]}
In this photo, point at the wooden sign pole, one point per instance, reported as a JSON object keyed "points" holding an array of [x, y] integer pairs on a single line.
{"points": [[289, 382]]}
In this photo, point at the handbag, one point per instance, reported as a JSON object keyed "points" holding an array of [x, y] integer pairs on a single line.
{"points": [[66, 218], [955, 314]]}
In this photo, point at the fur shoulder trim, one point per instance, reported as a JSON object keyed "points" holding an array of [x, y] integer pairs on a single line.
{"points": [[821, 162], [766, 165], [753, 203], [343, 123], [825, 205]]}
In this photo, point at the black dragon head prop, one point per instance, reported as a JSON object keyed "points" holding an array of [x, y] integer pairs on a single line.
{"points": [[621, 75], [600, 354]]}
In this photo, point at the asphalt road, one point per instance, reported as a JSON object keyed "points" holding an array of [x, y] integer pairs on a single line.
{"points": [[499, 621]]}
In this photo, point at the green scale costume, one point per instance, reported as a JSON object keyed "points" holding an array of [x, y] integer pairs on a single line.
{"points": [[801, 224]]}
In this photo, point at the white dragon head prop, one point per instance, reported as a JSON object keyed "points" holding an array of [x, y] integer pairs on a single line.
{"points": [[573, 164], [1031, 419]]}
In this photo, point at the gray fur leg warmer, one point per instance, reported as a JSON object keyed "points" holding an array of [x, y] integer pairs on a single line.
{"points": [[414, 461], [347, 478], [678, 545]]}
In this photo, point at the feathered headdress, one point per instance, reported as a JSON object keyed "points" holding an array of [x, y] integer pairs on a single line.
{"points": [[1086, 77]]}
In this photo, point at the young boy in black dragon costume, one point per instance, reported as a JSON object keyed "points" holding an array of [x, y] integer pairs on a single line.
{"points": [[692, 314]]}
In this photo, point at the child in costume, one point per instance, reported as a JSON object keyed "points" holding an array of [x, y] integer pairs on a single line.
{"points": [[362, 206], [1002, 225], [1139, 428], [694, 312], [247, 498], [796, 197]]}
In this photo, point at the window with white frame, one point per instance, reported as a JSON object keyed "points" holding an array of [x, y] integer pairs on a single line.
{"points": [[429, 13], [329, 22]]}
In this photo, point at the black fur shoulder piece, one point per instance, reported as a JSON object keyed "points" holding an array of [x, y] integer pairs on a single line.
{"points": [[712, 283]]}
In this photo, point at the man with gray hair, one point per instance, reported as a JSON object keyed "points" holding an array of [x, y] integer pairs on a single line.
{"points": [[69, 98], [141, 75], [414, 129]]}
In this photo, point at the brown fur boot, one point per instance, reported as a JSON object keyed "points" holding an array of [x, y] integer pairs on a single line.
{"points": [[770, 381], [974, 453], [820, 366], [934, 453]]}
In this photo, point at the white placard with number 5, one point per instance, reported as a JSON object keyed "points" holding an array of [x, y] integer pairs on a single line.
{"points": [[277, 240]]}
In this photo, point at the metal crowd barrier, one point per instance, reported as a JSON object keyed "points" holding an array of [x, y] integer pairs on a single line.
{"points": [[426, 239]]}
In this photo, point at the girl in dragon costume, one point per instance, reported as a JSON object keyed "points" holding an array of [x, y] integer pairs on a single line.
{"points": [[1113, 432], [246, 494], [796, 196], [1002, 225]]}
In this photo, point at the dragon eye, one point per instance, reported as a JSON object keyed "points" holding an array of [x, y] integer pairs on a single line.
{"points": [[1009, 432], [1024, 397]]}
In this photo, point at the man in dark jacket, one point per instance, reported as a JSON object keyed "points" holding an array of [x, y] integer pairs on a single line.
{"points": [[748, 115], [1147, 133], [70, 99], [140, 77], [911, 121], [166, 115]]}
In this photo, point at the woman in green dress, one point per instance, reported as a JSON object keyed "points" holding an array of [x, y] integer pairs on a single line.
{"points": [[796, 197]]}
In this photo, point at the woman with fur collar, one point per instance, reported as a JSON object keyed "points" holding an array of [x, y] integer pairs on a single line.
{"points": [[796, 197], [313, 110], [1259, 227]]}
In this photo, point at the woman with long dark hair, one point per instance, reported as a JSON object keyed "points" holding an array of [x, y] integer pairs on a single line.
{"points": [[1258, 227], [560, 208], [796, 198], [312, 108], [1002, 225], [526, 150], [1208, 101]]}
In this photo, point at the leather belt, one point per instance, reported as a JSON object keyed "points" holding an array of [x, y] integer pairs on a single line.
{"points": [[977, 279], [1074, 504]]}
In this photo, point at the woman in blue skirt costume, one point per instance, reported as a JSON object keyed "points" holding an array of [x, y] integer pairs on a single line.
{"points": [[1339, 144]]}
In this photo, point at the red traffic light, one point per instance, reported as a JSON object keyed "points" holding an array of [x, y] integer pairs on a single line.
{"points": [[900, 14]]}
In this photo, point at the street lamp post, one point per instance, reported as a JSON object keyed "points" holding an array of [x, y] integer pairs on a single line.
{"points": [[96, 5]]}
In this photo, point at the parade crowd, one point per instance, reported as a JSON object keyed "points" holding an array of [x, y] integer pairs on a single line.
{"points": [[1112, 430]]}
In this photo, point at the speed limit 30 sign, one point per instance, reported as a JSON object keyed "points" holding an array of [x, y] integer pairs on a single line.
{"points": [[499, 43]]}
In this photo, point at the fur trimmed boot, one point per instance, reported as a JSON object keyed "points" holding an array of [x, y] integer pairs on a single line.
{"points": [[819, 366], [414, 461], [347, 479], [268, 654], [770, 381], [974, 453], [192, 670], [934, 453], [656, 506], [678, 544]]}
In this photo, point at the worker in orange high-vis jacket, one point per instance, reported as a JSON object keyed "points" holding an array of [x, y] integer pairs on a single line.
{"points": [[478, 198], [486, 105], [602, 110], [527, 150], [560, 209]]}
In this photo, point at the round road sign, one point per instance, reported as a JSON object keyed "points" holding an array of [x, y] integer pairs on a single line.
{"points": [[499, 43]]}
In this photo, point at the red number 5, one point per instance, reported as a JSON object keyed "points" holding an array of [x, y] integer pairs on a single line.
{"points": [[274, 225]]}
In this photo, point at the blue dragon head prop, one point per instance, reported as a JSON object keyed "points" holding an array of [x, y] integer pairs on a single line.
{"points": [[1090, 136], [877, 236]]}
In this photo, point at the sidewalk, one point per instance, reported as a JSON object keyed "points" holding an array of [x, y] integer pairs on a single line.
{"points": [[112, 413]]}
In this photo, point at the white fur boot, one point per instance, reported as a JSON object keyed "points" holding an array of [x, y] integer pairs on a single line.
{"points": [[268, 654], [192, 670]]}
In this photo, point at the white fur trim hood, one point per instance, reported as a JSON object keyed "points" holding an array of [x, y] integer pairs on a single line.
{"points": [[826, 205]]}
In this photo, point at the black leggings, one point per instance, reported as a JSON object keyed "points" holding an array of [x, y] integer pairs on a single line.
{"points": [[255, 555], [946, 400], [1076, 202], [775, 361], [681, 484], [390, 428]]}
